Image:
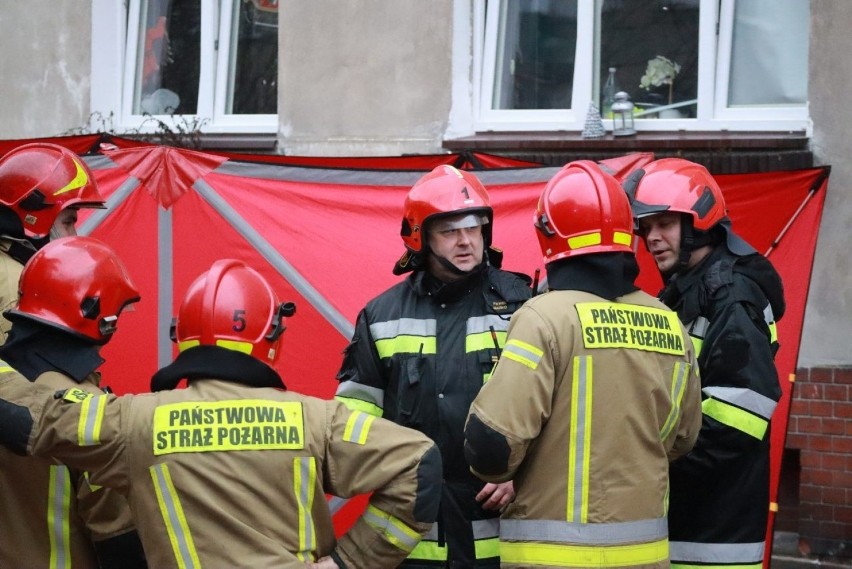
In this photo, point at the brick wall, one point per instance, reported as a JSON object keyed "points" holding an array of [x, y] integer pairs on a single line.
{"points": [[820, 429]]}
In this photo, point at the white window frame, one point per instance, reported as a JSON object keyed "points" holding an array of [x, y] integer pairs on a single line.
{"points": [[714, 61], [115, 42]]}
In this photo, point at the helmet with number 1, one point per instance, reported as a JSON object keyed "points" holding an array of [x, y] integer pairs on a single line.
{"points": [[444, 192], [78, 285], [232, 306], [39, 180], [583, 211]]}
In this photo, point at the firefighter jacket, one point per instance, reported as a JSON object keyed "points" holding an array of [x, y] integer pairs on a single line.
{"points": [[419, 355], [720, 490], [10, 274], [224, 474], [55, 516], [590, 401]]}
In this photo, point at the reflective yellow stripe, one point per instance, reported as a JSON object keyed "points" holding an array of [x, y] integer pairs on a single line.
{"points": [[679, 378], [431, 551], [697, 344], [523, 353], [357, 427], [304, 483], [484, 341], [392, 529], [587, 240], [361, 405], [80, 179], [735, 417], [773, 332], [560, 555], [58, 513], [621, 238], [579, 443], [233, 345], [406, 345], [174, 519], [187, 344], [486, 548], [91, 420], [6, 368]]}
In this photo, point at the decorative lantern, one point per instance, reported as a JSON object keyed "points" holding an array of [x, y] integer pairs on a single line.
{"points": [[622, 115]]}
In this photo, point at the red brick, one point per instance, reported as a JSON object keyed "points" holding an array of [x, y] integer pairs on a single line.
{"points": [[820, 443], [836, 392], [830, 530], [818, 477], [792, 424], [843, 514], [842, 478], [842, 445], [821, 375], [843, 375], [833, 427], [831, 461], [835, 495], [810, 425], [809, 495], [810, 460], [842, 410], [822, 409], [800, 408], [809, 391], [796, 441]]}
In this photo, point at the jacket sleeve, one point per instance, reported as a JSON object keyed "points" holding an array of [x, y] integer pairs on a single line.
{"points": [[402, 469], [689, 422], [498, 430], [739, 390], [362, 383], [76, 427]]}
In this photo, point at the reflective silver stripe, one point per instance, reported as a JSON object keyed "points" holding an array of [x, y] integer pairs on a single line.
{"points": [[306, 466], [768, 315], [578, 452], [478, 324], [680, 372], [390, 528], [743, 398], [173, 514], [403, 326], [59, 516], [363, 392], [482, 529], [698, 327], [716, 552], [514, 347], [93, 408], [555, 531]]}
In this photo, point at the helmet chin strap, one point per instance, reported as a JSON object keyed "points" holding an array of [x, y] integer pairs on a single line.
{"points": [[457, 271]]}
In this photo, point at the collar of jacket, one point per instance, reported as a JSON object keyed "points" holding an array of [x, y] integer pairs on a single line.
{"points": [[33, 349], [607, 275], [425, 283], [214, 362]]}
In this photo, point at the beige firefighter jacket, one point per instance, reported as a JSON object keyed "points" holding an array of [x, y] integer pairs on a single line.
{"points": [[10, 274], [51, 514], [593, 399], [224, 475]]}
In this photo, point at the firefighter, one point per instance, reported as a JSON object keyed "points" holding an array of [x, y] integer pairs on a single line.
{"points": [[64, 519], [42, 186], [232, 471], [422, 350], [595, 392], [729, 296]]}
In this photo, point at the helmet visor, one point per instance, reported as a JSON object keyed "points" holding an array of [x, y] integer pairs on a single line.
{"points": [[458, 222]]}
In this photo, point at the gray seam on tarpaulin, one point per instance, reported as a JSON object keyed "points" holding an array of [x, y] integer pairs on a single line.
{"points": [[115, 200], [165, 285], [269, 253], [373, 177]]}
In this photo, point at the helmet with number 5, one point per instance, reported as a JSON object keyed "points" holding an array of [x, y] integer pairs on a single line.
{"points": [[75, 284], [39, 180], [582, 211], [444, 192], [232, 306]]}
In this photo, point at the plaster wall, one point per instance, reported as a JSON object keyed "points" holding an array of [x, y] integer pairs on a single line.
{"points": [[365, 78], [827, 333], [45, 67]]}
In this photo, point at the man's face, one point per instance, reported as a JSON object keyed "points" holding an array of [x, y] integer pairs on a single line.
{"points": [[661, 233], [462, 247], [65, 224]]}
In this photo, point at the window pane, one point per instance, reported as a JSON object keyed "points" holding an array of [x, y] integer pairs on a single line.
{"points": [[253, 74], [769, 57], [535, 54], [168, 66], [653, 46]]}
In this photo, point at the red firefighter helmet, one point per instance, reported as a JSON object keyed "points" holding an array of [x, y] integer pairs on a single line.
{"points": [[677, 185], [232, 306], [445, 191], [583, 210], [75, 284], [39, 180]]}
